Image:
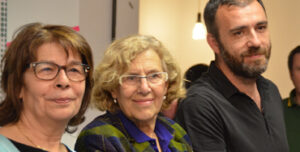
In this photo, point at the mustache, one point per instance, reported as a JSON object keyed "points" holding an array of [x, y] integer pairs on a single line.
{"points": [[255, 51]]}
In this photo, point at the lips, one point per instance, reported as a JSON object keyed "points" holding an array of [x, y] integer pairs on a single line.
{"points": [[143, 101], [62, 100]]}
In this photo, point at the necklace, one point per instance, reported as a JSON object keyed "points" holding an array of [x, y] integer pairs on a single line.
{"points": [[27, 138]]}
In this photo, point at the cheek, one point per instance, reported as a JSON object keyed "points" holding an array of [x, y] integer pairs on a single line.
{"points": [[161, 90], [296, 78], [125, 93], [36, 90], [80, 90]]}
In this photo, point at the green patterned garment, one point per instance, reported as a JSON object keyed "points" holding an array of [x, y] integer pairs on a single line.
{"points": [[107, 133]]}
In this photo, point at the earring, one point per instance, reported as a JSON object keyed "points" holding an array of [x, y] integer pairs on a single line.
{"points": [[115, 100], [164, 98]]}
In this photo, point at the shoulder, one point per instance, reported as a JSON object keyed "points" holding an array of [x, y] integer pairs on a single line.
{"points": [[102, 134], [105, 125], [6, 145], [267, 83], [180, 136], [201, 95], [170, 123], [175, 127]]}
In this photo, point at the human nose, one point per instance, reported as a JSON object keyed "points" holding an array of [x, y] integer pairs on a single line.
{"points": [[253, 39], [144, 86], [62, 80]]}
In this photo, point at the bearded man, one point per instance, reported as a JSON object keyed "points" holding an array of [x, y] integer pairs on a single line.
{"points": [[233, 108]]}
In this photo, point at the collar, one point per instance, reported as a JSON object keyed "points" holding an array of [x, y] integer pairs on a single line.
{"points": [[223, 85], [163, 134], [292, 99], [220, 81]]}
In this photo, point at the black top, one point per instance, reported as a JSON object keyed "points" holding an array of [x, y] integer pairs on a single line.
{"points": [[218, 117], [25, 148]]}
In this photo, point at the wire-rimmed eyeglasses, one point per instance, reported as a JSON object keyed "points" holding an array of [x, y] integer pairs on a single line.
{"points": [[49, 70], [153, 78]]}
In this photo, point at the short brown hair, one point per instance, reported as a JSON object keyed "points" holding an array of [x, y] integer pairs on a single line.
{"points": [[22, 51], [116, 61], [211, 8]]}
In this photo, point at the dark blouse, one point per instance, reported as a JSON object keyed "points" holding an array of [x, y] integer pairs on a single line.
{"points": [[26, 148]]}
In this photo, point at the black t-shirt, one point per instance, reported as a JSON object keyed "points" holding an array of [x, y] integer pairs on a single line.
{"points": [[218, 117]]}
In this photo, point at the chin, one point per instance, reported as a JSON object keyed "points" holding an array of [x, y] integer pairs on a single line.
{"points": [[64, 115], [146, 117]]}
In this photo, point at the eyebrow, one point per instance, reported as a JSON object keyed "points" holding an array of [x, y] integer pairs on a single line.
{"points": [[75, 62], [243, 26], [148, 72], [262, 22], [72, 62], [238, 28]]}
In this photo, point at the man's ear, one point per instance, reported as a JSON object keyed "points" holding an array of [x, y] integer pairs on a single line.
{"points": [[291, 75], [213, 43]]}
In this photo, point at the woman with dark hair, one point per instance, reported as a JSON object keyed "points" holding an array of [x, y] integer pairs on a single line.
{"points": [[47, 79]]}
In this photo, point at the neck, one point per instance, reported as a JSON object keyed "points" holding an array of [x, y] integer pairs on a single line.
{"points": [[146, 127], [244, 85], [41, 134]]}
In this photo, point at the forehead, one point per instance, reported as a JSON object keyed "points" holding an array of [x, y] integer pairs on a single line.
{"points": [[55, 51], [230, 16], [146, 60]]}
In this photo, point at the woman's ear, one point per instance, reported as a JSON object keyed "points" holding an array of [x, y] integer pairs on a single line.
{"points": [[114, 93], [166, 88]]}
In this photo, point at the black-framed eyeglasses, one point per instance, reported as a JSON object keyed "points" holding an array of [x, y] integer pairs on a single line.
{"points": [[153, 78], [49, 70]]}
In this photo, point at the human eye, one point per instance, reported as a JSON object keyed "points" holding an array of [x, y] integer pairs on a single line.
{"points": [[261, 27], [237, 33], [45, 68], [154, 77], [75, 69], [131, 78]]}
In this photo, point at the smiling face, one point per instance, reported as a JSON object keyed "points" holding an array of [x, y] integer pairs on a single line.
{"points": [[55, 100], [142, 102], [244, 44]]}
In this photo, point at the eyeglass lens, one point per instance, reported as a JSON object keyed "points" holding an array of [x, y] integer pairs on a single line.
{"points": [[48, 71], [153, 78]]}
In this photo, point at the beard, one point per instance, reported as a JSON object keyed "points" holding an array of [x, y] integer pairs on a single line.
{"points": [[238, 65]]}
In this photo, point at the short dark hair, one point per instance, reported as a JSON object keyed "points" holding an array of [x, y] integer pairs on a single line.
{"points": [[23, 50], [291, 57], [193, 73], [211, 10]]}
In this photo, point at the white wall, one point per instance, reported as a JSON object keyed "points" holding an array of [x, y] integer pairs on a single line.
{"points": [[95, 18], [21, 12], [285, 36], [172, 21], [127, 18]]}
